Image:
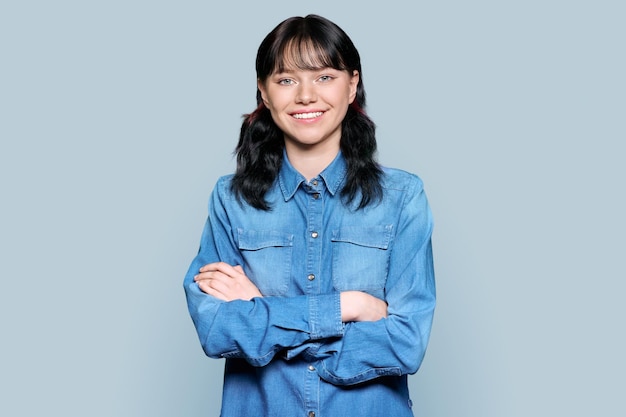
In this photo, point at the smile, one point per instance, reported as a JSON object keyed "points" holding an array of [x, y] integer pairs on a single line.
{"points": [[311, 115]]}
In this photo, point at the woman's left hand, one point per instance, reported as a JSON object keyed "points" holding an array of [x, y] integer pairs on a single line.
{"points": [[226, 282]]}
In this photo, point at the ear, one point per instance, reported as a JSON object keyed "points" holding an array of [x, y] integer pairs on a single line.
{"points": [[261, 88], [354, 82]]}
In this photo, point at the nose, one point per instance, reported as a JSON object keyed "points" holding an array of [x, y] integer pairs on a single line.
{"points": [[306, 94]]}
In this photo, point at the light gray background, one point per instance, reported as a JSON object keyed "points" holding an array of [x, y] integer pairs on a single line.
{"points": [[117, 117]]}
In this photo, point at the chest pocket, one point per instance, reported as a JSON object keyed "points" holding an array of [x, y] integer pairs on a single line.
{"points": [[361, 258], [267, 257]]}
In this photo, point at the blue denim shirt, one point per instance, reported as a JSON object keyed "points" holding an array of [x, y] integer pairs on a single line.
{"points": [[288, 353]]}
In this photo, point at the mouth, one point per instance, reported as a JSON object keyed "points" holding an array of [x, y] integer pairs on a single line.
{"points": [[310, 115]]}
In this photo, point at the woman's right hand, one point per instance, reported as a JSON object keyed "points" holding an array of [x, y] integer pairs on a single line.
{"points": [[360, 306]]}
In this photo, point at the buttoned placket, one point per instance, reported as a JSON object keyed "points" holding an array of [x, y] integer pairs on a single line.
{"points": [[314, 213], [314, 242]]}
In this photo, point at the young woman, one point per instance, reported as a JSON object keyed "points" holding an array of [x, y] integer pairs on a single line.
{"points": [[314, 277]]}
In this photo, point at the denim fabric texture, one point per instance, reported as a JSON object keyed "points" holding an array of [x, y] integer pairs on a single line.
{"points": [[288, 353]]}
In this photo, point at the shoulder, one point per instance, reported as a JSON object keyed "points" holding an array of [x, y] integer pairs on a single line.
{"points": [[401, 180], [228, 197], [225, 180], [222, 191], [405, 191], [223, 185]]}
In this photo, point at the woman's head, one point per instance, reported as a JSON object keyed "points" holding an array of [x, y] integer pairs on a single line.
{"points": [[308, 43]]}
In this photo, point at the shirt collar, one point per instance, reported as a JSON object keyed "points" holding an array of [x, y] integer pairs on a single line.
{"points": [[333, 175]]}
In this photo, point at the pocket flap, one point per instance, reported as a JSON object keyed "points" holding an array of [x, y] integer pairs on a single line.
{"points": [[259, 239], [368, 236]]}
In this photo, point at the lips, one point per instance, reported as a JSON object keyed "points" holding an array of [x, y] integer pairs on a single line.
{"points": [[308, 115]]}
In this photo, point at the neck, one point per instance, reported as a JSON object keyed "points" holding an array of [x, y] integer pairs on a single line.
{"points": [[310, 163]]}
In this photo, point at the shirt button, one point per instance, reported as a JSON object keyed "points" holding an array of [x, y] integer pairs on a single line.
{"points": [[314, 235], [311, 413], [316, 196], [311, 277], [314, 183], [311, 368]]}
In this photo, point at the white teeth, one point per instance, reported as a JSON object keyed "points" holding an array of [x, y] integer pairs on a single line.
{"points": [[308, 115]]}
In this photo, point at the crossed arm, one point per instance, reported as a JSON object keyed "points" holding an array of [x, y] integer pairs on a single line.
{"points": [[226, 282]]}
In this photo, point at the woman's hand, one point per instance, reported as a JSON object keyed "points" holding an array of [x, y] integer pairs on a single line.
{"points": [[360, 306], [226, 282]]}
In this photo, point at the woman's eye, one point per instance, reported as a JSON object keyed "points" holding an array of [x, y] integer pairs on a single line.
{"points": [[285, 81], [325, 78]]}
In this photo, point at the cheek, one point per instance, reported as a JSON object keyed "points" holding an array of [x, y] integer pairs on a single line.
{"points": [[272, 101]]}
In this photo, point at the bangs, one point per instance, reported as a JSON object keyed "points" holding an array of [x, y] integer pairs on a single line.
{"points": [[305, 53]]}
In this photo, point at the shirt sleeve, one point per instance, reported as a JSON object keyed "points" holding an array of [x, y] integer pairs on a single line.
{"points": [[258, 329], [395, 345]]}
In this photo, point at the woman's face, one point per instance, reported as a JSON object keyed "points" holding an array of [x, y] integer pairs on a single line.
{"points": [[309, 105]]}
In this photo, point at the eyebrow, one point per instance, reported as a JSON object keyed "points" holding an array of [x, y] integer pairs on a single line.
{"points": [[292, 70]]}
